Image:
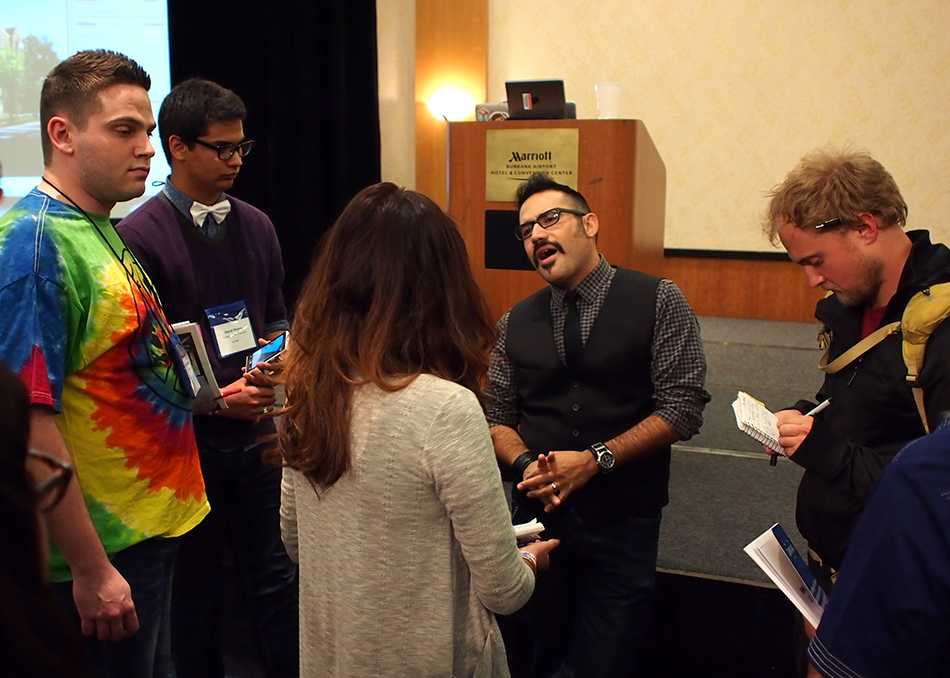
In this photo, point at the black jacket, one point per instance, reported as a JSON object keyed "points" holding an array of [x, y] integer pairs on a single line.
{"points": [[872, 413]]}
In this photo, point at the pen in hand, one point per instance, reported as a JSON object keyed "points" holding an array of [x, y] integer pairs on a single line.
{"points": [[810, 413], [818, 408]]}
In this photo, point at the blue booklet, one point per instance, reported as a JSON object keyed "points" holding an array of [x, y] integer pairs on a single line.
{"points": [[808, 579], [775, 553]]}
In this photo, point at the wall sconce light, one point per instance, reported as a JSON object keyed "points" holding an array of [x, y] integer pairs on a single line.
{"points": [[451, 103]]}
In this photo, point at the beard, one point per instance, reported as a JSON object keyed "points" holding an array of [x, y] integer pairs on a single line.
{"points": [[865, 292]]}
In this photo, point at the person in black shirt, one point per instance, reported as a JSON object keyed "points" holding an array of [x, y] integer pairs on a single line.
{"points": [[591, 380], [840, 216]]}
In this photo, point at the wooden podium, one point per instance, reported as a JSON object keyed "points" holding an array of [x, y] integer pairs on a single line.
{"points": [[619, 172]]}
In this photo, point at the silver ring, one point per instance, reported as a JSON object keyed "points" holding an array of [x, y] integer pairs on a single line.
{"points": [[267, 409], [555, 489]]}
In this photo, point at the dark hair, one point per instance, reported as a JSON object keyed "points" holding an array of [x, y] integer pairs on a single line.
{"points": [[540, 182], [37, 641], [390, 296], [73, 87], [17, 495], [192, 106]]}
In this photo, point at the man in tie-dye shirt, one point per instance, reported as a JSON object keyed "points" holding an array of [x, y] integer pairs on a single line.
{"points": [[84, 329]]}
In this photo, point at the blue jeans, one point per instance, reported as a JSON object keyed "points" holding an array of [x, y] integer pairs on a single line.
{"points": [[591, 610], [244, 493], [148, 567]]}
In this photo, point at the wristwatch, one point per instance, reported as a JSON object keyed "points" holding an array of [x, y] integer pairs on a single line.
{"points": [[603, 455]]}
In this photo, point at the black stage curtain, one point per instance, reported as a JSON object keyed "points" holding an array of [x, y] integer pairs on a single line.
{"points": [[307, 72]]}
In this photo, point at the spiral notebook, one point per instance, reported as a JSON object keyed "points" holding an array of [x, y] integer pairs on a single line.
{"points": [[755, 420]]}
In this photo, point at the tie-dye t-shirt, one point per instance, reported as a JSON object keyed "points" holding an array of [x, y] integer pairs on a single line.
{"points": [[86, 334]]}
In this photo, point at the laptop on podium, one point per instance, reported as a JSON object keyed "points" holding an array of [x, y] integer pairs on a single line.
{"points": [[537, 100]]}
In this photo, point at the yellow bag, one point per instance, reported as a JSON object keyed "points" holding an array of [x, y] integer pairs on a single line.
{"points": [[922, 315]]}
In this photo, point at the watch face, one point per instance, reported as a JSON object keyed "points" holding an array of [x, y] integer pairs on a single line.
{"points": [[605, 458]]}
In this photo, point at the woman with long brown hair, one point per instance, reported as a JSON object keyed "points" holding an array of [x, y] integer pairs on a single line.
{"points": [[392, 500]]}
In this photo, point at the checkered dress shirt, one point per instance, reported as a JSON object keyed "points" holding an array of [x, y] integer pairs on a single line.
{"points": [[678, 367]]}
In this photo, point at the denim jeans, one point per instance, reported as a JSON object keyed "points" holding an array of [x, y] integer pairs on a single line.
{"points": [[148, 568], [244, 493], [591, 610]]}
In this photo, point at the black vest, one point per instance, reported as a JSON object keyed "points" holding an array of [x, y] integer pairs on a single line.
{"points": [[608, 391]]}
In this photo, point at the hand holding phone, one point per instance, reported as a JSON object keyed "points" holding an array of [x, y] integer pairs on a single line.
{"points": [[263, 368], [269, 352]]}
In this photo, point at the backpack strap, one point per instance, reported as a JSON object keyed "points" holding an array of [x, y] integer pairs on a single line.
{"points": [[919, 401], [865, 345], [859, 349], [925, 311], [922, 315]]}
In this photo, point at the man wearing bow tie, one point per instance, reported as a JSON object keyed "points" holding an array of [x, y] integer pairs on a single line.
{"points": [[215, 260]]}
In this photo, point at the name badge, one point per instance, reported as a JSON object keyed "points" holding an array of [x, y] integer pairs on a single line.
{"points": [[232, 329]]}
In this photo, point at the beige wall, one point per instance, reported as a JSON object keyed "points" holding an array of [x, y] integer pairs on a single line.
{"points": [[396, 48], [734, 92]]}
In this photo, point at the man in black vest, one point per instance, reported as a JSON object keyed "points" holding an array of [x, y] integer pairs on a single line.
{"points": [[591, 380]]}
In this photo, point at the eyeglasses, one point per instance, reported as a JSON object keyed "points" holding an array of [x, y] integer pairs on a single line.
{"points": [[226, 151], [544, 220], [51, 491]]}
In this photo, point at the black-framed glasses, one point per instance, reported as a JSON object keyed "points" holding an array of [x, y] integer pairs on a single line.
{"points": [[51, 491], [226, 151], [545, 220]]}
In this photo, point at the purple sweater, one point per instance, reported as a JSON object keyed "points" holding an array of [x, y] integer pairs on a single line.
{"points": [[193, 272]]}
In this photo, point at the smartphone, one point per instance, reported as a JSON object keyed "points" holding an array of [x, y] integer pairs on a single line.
{"points": [[268, 351]]}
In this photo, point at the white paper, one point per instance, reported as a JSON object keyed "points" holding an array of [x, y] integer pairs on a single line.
{"points": [[234, 337], [529, 530], [768, 555], [755, 420]]}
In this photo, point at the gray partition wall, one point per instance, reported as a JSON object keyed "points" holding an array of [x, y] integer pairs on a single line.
{"points": [[723, 493]]}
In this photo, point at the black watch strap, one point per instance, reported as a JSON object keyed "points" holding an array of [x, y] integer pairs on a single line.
{"points": [[524, 460], [604, 457]]}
